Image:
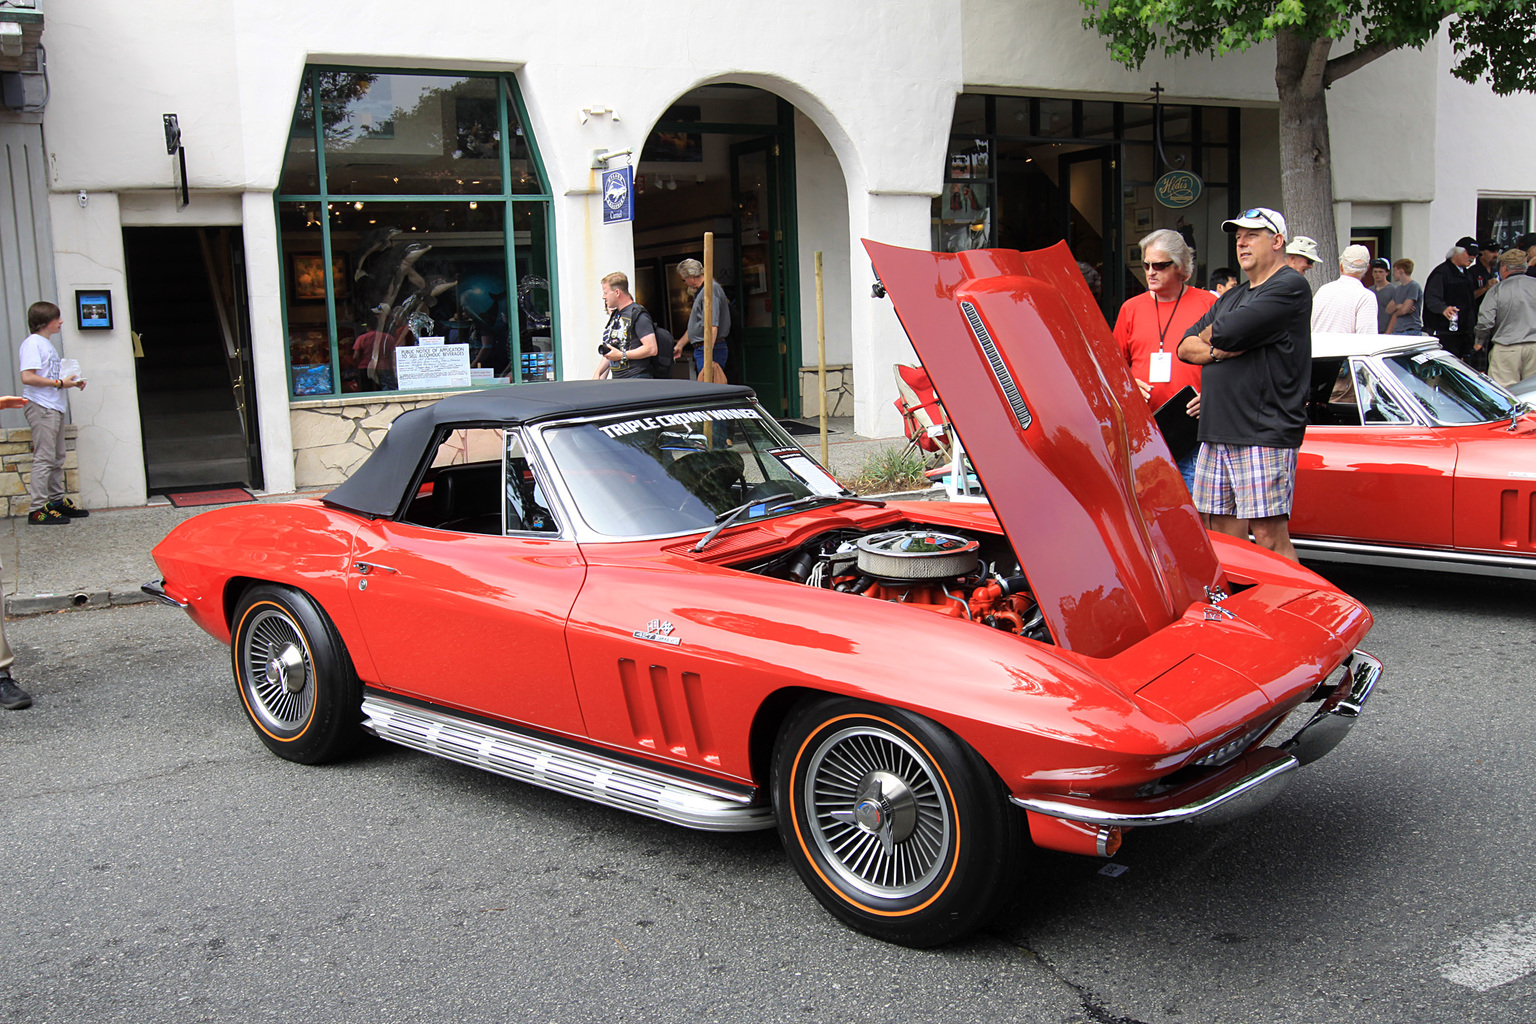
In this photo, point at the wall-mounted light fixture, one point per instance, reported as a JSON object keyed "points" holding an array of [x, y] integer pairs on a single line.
{"points": [[598, 111]]}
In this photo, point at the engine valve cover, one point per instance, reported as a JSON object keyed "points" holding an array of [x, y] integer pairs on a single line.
{"points": [[917, 556]]}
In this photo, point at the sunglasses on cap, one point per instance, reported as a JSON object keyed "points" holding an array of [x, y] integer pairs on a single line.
{"points": [[1258, 214]]}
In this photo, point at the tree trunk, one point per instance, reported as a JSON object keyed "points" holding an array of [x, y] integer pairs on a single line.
{"points": [[1306, 165]]}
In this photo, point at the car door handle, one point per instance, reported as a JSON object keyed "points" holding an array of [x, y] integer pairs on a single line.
{"points": [[367, 567]]}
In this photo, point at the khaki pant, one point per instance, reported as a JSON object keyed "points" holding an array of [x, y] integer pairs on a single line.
{"points": [[47, 481], [1510, 364]]}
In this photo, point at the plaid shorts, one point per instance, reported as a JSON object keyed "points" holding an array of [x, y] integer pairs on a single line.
{"points": [[1245, 481]]}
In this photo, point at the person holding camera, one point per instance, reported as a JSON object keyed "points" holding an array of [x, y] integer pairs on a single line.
{"points": [[629, 339]]}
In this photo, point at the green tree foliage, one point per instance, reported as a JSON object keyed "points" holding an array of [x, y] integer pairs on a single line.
{"points": [[1493, 41]]}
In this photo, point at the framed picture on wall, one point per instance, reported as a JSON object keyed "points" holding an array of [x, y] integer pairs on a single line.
{"points": [[645, 290], [306, 276], [755, 278], [675, 147], [679, 303], [93, 309], [1143, 218]]}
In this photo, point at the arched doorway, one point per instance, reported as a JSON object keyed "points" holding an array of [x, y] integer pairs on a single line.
{"points": [[722, 159]]}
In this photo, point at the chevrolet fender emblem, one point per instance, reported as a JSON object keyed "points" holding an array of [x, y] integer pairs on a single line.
{"points": [[660, 631]]}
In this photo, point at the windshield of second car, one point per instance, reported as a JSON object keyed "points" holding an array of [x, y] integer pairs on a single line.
{"points": [[1450, 391], [677, 471]]}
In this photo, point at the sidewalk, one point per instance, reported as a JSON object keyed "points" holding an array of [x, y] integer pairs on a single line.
{"points": [[103, 560]]}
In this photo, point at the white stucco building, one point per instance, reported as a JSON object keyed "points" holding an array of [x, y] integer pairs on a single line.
{"points": [[442, 167]]}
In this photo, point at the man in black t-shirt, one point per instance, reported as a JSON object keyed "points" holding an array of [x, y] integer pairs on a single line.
{"points": [[1255, 346], [629, 338]]}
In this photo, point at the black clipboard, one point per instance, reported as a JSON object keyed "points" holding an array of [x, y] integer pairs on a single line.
{"points": [[1180, 429]]}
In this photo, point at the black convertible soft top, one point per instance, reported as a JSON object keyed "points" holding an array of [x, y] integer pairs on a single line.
{"points": [[378, 487]]}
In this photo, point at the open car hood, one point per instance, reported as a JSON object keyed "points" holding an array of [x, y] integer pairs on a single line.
{"points": [[1060, 437]]}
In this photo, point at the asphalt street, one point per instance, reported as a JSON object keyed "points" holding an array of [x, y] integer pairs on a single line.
{"points": [[156, 863]]}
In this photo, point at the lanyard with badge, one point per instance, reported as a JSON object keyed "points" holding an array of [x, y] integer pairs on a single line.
{"points": [[1162, 362]]}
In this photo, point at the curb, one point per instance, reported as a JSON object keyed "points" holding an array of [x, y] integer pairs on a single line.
{"points": [[41, 604]]}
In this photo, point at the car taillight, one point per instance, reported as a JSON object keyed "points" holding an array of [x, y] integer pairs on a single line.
{"points": [[1231, 748]]}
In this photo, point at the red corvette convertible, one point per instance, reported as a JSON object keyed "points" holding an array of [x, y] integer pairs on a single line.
{"points": [[1412, 458], [645, 594]]}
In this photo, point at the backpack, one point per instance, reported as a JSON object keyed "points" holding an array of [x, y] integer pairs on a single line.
{"points": [[661, 362]]}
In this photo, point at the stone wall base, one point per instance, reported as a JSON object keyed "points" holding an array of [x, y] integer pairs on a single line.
{"points": [[16, 468], [839, 392], [332, 437]]}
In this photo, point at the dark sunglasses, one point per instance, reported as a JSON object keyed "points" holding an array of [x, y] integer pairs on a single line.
{"points": [[1261, 215], [1161, 266]]}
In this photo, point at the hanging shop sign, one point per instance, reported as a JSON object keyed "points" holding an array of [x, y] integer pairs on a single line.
{"points": [[619, 195], [1178, 189]]}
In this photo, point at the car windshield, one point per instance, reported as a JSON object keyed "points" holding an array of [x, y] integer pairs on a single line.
{"points": [[677, 471], [1448, 390]]}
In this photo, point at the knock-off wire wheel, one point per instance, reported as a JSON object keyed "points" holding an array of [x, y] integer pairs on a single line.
{"points": [[294, 676], [879, 818], [896, 826], [280, 671]]}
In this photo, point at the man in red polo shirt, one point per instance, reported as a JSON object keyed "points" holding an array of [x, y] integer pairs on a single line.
{"points": [[1151, 325]]}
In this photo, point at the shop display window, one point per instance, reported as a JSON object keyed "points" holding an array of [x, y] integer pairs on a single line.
{"points": [[427, 199], [1047, 170], [1505, 219]]}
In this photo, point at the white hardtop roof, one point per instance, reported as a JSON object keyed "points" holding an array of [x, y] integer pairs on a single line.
{"points": [[1327, 345]]}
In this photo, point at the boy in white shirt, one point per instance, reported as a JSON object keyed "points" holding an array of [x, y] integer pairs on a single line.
{"points": [[43, 387]]}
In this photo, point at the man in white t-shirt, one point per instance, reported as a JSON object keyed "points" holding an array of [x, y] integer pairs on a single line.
{"points": [[1346, 306], [43, 386]]}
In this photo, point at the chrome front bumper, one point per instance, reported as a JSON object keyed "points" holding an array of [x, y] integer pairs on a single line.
{"points": [[1247, 784]]}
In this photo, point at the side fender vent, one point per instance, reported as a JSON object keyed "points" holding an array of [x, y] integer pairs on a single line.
{"points": [[999, 368]]}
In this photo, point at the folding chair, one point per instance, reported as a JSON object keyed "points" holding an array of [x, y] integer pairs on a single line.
{"points": [[922, 417]]}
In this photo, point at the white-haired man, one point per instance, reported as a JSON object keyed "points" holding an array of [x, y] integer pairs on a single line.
{"points": [[1346, 306], [1448, 299], [1255, 346], [1151, 325]]}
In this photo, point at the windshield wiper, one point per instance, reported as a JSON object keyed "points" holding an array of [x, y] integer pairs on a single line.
{"points": [[729, 516]]}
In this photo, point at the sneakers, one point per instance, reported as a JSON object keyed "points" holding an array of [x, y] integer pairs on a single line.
{"points": [[13, 697], [66, 507], [47, 516]]}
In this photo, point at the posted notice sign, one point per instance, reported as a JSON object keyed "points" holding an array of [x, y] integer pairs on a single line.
{"points": [[432, 366]]}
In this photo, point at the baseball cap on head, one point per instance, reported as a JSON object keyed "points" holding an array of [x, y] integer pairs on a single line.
{"points": [[1301, 245], [1489, 246], [1257, 217], [1355, 258], [1381, 263], [1468, 243]]}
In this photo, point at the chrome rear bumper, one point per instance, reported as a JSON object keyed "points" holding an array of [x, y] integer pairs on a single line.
{"points": [[1244, 786], [156, 590]]}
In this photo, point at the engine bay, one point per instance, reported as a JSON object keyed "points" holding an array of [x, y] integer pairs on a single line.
{"points": [[974, 577]]}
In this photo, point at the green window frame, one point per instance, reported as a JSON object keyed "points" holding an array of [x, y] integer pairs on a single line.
{"points": [[514, 207]]}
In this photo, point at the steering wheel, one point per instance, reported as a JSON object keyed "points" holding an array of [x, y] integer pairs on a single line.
{"points": [[721, 478]]}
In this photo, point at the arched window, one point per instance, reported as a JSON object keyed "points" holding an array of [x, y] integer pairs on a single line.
{"points": [[424, 195]]}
